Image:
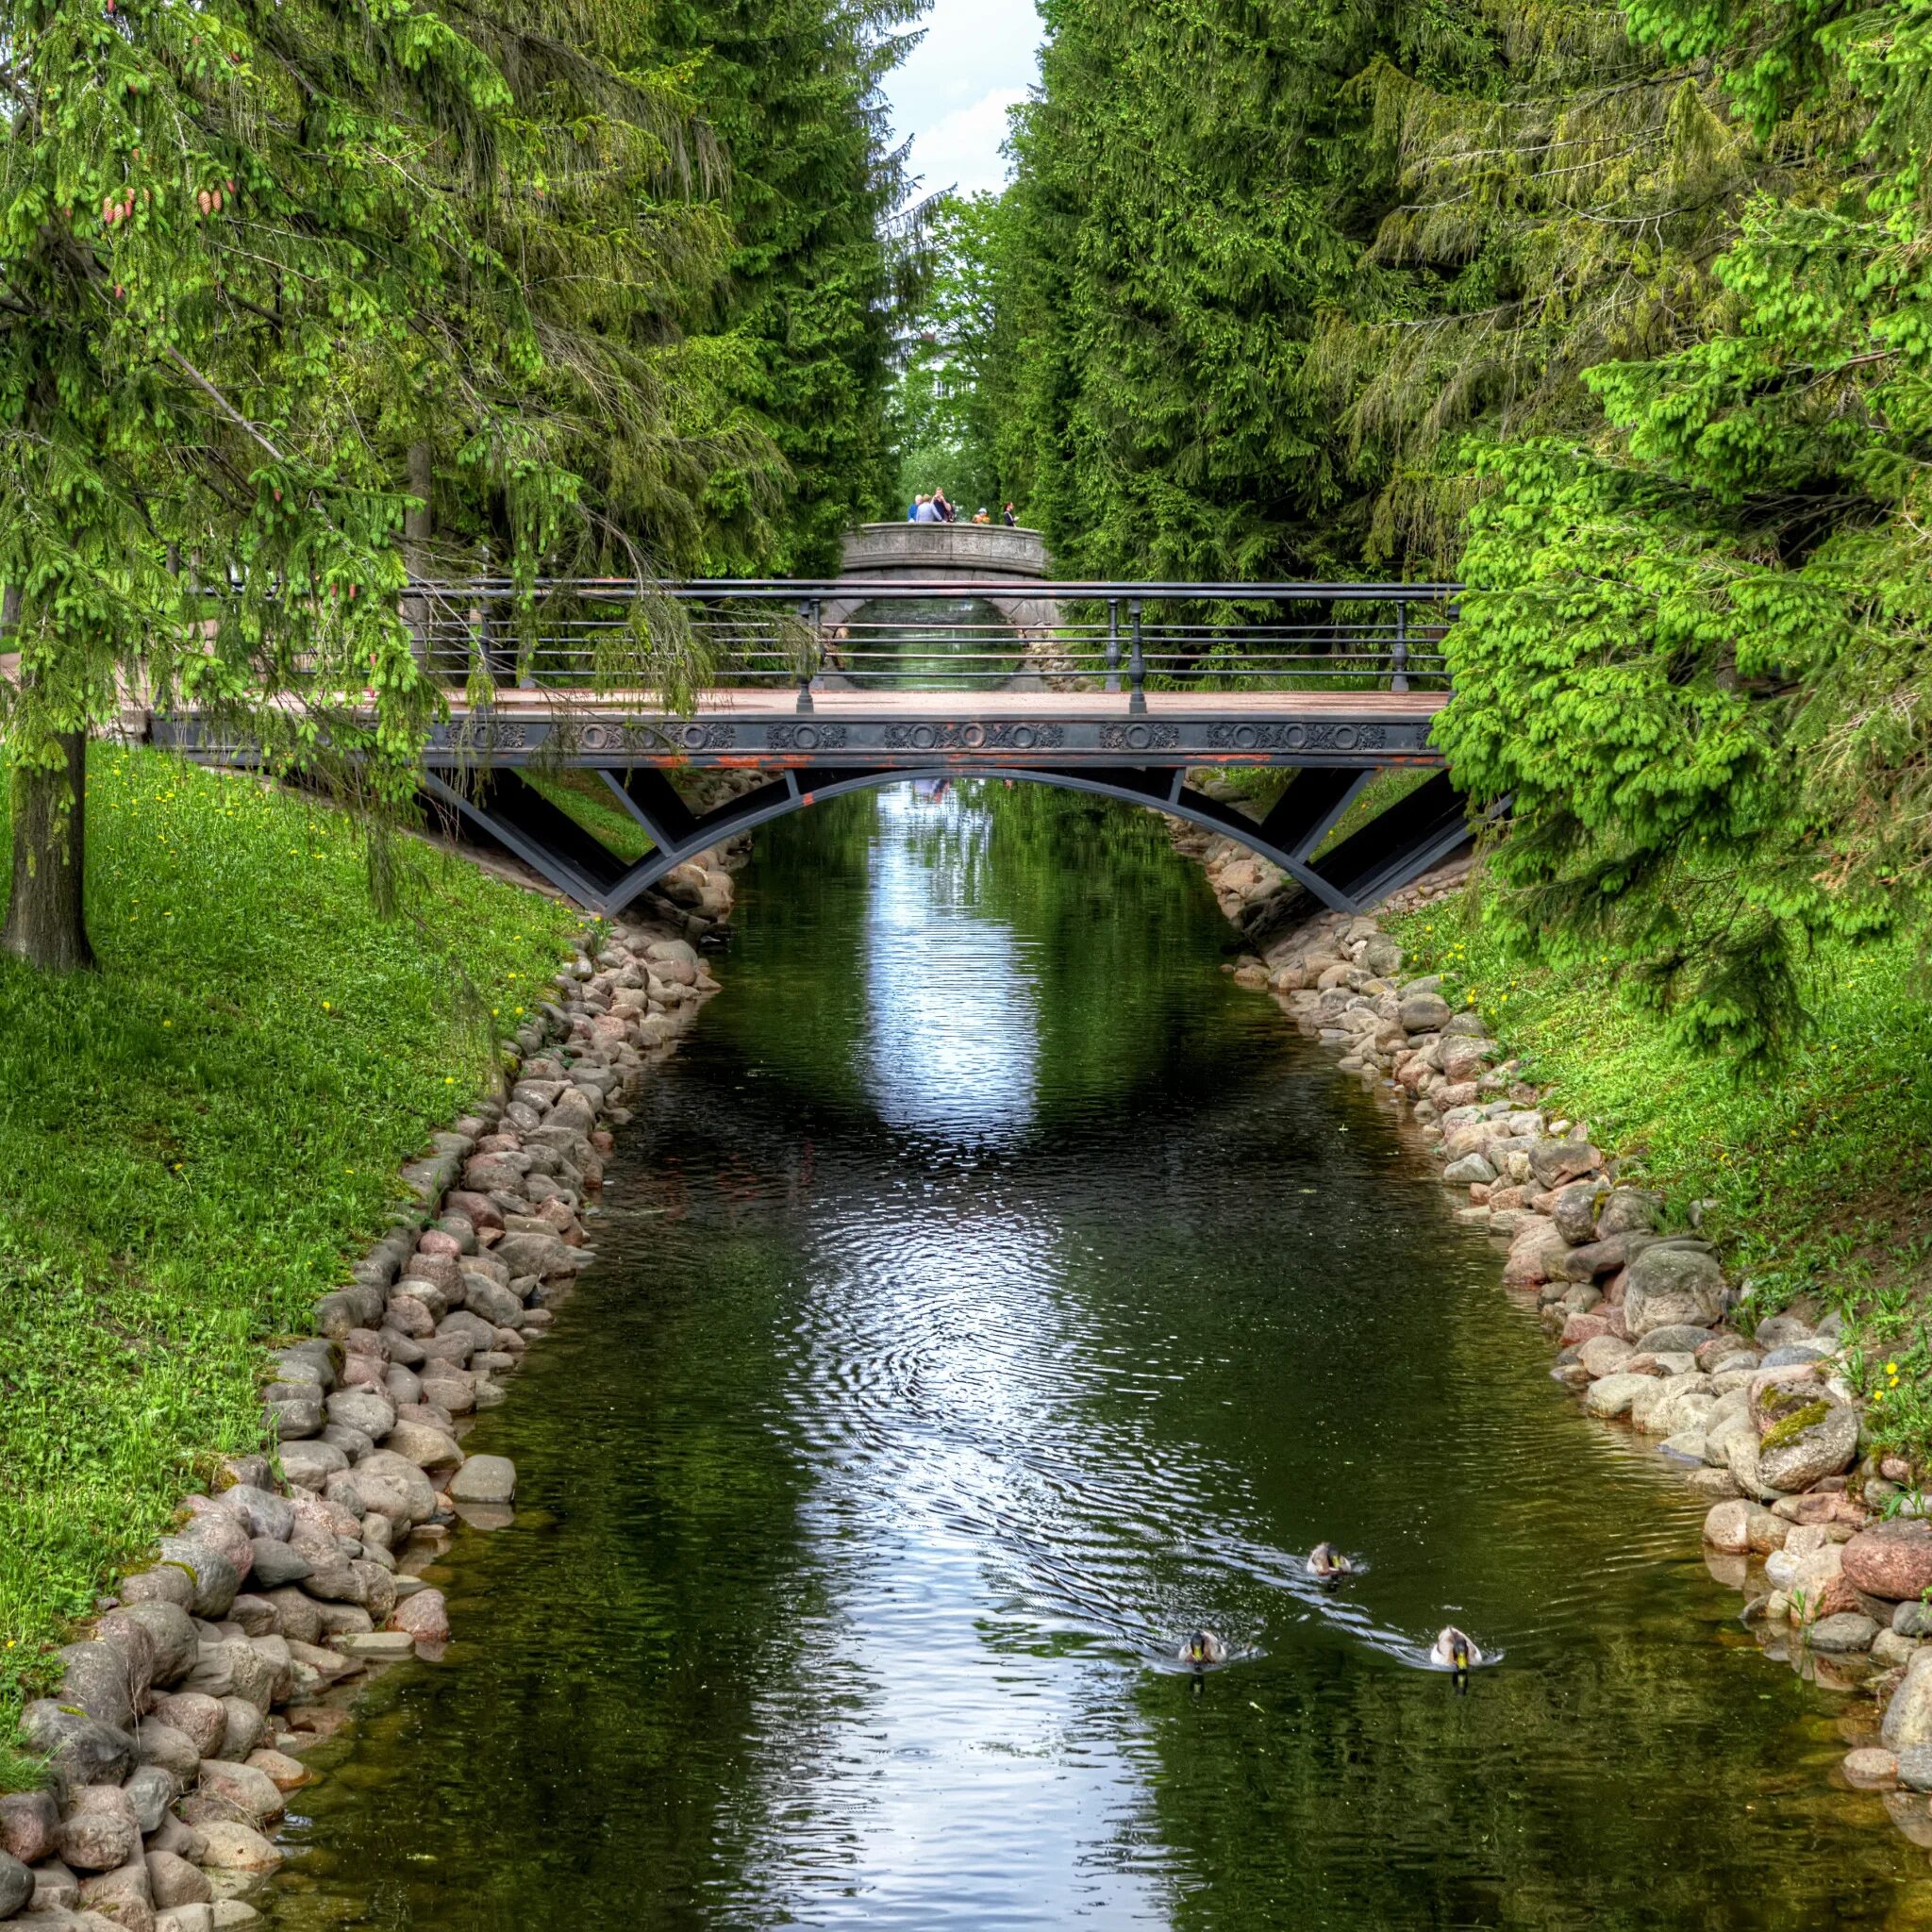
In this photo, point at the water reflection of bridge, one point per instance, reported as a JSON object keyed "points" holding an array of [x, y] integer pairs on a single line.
{"points": [[1335, 682]]}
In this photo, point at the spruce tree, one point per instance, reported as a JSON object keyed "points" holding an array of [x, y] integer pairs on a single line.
{"points": [[276, 280], [1556, 198], [221, 225], [1695, 660], [610, 214], [1194, 189], [804, 334]]}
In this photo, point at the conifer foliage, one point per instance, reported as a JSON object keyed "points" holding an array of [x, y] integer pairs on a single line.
{"points": [[227, 233], [815, 282], [299, 298], [1617, 312], [1696, 654]]}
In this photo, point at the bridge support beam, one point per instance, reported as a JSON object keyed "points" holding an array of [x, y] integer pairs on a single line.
{"points": [[546, 838], [1400, 845]]}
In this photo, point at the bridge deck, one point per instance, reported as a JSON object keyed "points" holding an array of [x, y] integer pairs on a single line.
{"points": [[995, 704], [881, 729]]}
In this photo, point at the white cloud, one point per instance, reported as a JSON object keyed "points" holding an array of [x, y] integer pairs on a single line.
{"points": [[951, 96], [962, 150]]}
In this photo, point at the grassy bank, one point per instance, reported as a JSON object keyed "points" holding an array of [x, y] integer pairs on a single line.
{"points": [[195, 1139], [584, 797], [1816, 1181]]}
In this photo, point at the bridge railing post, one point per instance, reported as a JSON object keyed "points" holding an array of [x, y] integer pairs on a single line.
{"points": [[1136, 664], [1113, 643], [1398, 662], [809, 663]]}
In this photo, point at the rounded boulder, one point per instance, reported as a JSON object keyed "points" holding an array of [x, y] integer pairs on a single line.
{"points": [[16, 1885], [1670, 1288], [216, 1579], [1870, 1767], [363, 1409], [29, 1823], [1739, 1526], [228, 1846], [1843, 1632], [425, 1616], [197, 1716], [108, 1680], [1892, 1560], [1613, 1395], [1629, 1210], [168, 1631], [82, 1749], [485, 1479], [396, 1487], [1421, 1012], [1818, 1440], [427, 1448], [101, 1833]]}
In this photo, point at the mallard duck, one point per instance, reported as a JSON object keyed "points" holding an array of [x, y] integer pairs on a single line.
{"points": [[1202, 1649], [1327, 1562], [1454, 1651]]}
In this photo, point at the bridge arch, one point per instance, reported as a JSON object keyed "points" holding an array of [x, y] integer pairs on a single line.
{"points": [[1401, 844]]}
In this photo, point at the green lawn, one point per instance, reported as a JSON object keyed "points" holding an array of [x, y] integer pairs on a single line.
{"points": [[1819, 1179], [197, 1138], [584, 797]]}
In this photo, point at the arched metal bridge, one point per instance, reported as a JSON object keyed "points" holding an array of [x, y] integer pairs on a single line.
{"points": [[1150, 681]]}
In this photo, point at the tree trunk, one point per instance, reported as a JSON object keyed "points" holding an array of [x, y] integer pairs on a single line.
{"points": [[418, 528], [46, 916]]}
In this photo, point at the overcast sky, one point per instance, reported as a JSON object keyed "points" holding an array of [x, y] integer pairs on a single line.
{"points": [[951, 96]]}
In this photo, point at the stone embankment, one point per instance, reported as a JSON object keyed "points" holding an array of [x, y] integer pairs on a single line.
{"points": [[1819, 1531], [180, 1727]]}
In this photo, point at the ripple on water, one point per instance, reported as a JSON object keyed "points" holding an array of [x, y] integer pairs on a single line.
{"points": [[990, 1296]]}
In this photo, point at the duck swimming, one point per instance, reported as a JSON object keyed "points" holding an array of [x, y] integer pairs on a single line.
{"points": [[1202, 1649], [1454, 1651], [1326, 1562]]}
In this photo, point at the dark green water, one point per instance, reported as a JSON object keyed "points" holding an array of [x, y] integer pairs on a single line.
{"points": [[990, 1294]]}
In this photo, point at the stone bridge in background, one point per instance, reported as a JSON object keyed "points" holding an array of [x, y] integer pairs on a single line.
{"points": [[957, 555]]}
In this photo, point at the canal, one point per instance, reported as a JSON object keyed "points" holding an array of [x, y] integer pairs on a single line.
{"points": [[988, 1294]]}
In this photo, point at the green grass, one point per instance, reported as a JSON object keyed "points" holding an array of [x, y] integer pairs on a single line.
{"points": [[197, 1138], [1384, 789], [584, 797], [1818, 1180]]}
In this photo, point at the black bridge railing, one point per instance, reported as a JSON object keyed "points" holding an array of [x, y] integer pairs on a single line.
{"points": [[962, 635]]}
